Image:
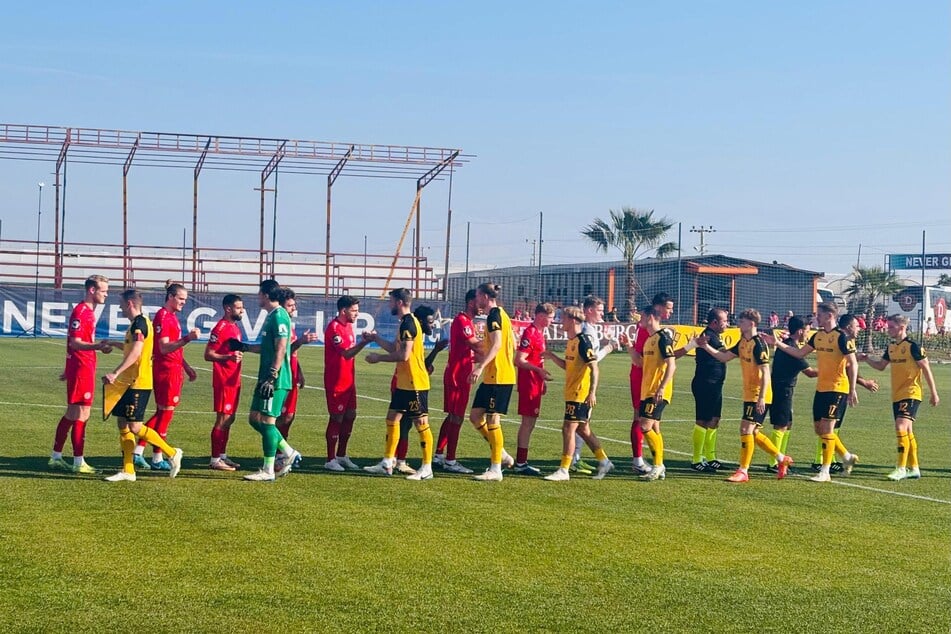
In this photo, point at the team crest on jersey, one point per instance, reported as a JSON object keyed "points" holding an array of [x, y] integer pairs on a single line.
{"points": [[281, 329], [75, 324], [158, 329], [337, 339], [467, 331], [525, 343], [213, 338]]}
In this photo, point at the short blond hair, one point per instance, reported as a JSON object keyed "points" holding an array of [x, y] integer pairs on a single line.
{"points": [[574, 312]]}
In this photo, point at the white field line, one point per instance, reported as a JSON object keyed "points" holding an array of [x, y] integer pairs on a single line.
{"points": [[512, 421]]}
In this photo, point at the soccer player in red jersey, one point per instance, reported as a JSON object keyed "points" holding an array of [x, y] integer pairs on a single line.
{"points": [[664, 304], [168, 362], [80, 375], [463, 342], [531, 382], [225, 379], [289, 411], [340, 387]]}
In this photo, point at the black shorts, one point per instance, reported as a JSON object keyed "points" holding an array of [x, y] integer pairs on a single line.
{"points": [[708, 398], [414, 404], [652, 410], [906, 408], [829, 405], [494, 399], [750, 414], [132, 405], [577, 412], [781, 410]]}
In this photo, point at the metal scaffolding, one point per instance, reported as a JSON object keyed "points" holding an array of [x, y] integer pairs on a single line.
{"points": [[198, 152]]}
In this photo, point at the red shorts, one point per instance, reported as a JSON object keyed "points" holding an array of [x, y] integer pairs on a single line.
{"points": [[530, 398], [80, 386], [455, 397], [167, 386], [636, 375], [340, 402], [226, 399], [290, 403]]}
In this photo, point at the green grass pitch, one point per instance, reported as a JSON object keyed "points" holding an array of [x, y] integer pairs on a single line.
{"points": [[317, 551]]}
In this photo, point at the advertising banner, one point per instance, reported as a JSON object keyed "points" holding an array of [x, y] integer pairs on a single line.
{"points": [[47, 313]]}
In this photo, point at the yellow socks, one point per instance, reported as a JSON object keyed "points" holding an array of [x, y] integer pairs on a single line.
{"points": [[426, 442], [839, 446], [392, 439], [127, 442], [747, 446], [151, 436], [656, 443], [912, 451], [765, 443], [699, 435], [904, 447], [710, 444], [780, 438], [565, 461], [494, 431], [600, 455], [828, 449]]}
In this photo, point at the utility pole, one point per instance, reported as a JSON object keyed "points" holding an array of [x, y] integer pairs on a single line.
{"points": [[702, 231]]}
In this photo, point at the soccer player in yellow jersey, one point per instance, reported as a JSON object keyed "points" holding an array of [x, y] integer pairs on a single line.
{"points": [[908, 363], [581, 386], [410, 399], [835, 385], [497, 362], [657, 384], [135, 375], [757, 393]]}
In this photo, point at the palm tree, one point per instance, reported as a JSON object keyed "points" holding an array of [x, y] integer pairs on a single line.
{"points": [[868, 284], [944, 280], [631, 231]]}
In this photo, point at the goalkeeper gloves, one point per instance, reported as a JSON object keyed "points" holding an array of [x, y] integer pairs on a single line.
{"points": [[265, 388]]}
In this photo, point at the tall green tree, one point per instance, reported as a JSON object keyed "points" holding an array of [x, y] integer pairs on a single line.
{"points": [[631, 232], [868, 284], [944, 280]]}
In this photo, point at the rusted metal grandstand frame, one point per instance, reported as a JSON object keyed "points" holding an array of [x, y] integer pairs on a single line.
{"points": [[224, 153]]}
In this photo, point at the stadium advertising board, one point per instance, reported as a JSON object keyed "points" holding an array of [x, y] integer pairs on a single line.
{"points": [[919, 261], [19, 313]]}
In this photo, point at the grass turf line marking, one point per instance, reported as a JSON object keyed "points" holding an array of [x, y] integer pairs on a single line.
{"points": [[553, 429], [838, 482]]}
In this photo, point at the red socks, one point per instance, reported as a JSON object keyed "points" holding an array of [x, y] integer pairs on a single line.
{"points": [[333, 436], [62, 433], [637, 439]]}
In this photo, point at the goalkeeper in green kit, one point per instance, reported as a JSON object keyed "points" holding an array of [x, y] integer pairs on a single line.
{"points": [[274, 382]]}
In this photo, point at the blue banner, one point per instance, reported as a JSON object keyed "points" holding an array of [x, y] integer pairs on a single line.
{"points": [[49, 311]]}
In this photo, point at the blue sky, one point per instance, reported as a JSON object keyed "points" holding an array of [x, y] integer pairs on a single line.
{"points": [[798, 130]]}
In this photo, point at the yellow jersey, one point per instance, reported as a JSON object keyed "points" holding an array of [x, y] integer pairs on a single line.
{"points": [[657, 349], [501, 370], [753, 355], [904, 356], [138, 376], [579, 355], [832, 348], [411, 374]]}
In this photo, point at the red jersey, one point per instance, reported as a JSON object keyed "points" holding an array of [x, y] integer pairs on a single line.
{"points": [[165, 324], [82, 326], [459, 366], [227, 373], [295, 364], [531, 342], [339, 373]]}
